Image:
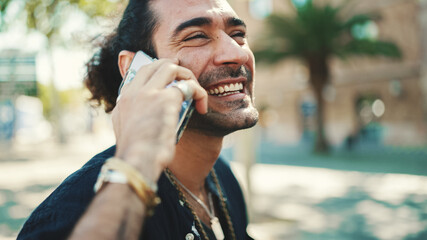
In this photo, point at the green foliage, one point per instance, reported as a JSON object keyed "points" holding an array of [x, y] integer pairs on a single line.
{"points": [[98, 8], [3, 6], [48, 16], [45, 96], [72, 96], [67, 98], [318, 31], [370, 48], [314, 34]]}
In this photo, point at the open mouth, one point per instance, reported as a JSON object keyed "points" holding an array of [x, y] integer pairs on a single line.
{"points": [[226, 89]]}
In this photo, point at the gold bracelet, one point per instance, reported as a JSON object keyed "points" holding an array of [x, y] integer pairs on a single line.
{"points": [[115, 170]]}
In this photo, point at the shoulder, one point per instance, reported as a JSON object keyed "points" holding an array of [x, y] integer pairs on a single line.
{"points": [[55, 217]]}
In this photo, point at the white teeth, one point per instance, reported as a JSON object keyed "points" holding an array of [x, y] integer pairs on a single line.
{"points": [[227, 93], [232, 87], [227, 89]]}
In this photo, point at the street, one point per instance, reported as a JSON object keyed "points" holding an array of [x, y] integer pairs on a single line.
{"points": [[285, 202]]}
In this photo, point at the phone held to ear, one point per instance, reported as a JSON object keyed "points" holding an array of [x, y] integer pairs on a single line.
{"points": [[140, 59]]}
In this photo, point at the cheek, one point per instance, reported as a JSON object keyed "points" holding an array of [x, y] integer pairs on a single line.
{"points": [[196, 61]]}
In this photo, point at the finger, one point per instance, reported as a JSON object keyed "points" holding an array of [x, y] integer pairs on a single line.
{"points": [[146, 72], [200, 96], [167, 73]]}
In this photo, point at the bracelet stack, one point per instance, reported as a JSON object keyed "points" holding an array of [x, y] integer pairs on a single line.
{"points": [[116, 170]]}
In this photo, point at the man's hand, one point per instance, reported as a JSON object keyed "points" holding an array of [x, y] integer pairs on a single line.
{"points": [[146, 116], [144, 122]]}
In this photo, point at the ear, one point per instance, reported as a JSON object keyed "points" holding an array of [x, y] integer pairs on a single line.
{"points": [[125, 59]]}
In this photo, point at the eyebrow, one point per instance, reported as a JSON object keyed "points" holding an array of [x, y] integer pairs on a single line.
{"points": [[202, 21], [195, 22], [233, 21]]}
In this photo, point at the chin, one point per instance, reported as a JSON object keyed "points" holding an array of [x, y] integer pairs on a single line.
{"points": [[220, 125]]}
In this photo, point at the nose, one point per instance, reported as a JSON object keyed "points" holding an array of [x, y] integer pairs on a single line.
{"points": [[229, 52]]}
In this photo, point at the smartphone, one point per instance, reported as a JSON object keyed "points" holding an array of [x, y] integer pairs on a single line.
{"points": [[187, 107]]}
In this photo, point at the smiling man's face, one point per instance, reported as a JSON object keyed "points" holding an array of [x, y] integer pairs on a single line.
{"points": [[208, 38]]}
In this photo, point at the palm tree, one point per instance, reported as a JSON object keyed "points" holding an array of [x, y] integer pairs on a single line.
{"points": [[314, 35]]}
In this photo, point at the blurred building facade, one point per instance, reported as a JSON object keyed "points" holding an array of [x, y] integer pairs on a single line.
{"points": [[382, 100]]}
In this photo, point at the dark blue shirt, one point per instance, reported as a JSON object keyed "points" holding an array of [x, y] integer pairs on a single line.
{"points": [[55, 217]]}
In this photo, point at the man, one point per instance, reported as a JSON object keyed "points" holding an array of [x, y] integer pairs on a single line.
{"points": [[203, 43]]}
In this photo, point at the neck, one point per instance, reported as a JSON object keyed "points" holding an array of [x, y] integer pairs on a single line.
{"points": [[194, 158]]}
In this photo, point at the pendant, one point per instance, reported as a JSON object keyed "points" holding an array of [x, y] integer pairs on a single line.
{"points": [[216, 228]]}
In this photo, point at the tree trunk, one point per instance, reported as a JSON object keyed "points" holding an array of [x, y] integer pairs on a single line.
{"points": [[56, 113], [321, 144], [319, 75]]}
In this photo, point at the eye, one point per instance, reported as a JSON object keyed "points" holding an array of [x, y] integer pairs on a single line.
{"points": [[239, 37], [239, 34], [196, 36]]}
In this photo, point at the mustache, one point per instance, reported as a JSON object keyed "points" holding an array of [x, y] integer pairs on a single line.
{"points": [[213, 76]]}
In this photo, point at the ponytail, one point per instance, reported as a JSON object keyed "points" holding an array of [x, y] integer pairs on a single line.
{"points": [[134, 33]]}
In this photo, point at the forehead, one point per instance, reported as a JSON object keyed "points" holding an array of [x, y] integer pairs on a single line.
{"points": [[171, 13]]}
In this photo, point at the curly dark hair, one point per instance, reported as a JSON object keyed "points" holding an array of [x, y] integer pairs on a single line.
{"points": [[133, 33]]}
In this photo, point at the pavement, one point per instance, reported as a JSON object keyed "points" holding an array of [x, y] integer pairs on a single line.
{"points": [[306, 202]]}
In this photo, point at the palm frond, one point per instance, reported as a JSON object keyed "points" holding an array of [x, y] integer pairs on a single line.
{"points": [[371, 48], [359, 19], [282, 26], [318, 31], [270, 55]]}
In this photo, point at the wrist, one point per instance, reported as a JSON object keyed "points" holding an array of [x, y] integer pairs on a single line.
{"points": [[115, 170], [143, 159]]}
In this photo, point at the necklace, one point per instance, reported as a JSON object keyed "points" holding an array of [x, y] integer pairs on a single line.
{"points": [[224, 209], [215, 224]]}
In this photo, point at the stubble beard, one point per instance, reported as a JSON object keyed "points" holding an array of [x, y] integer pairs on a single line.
{"points": [[242, 113]]}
